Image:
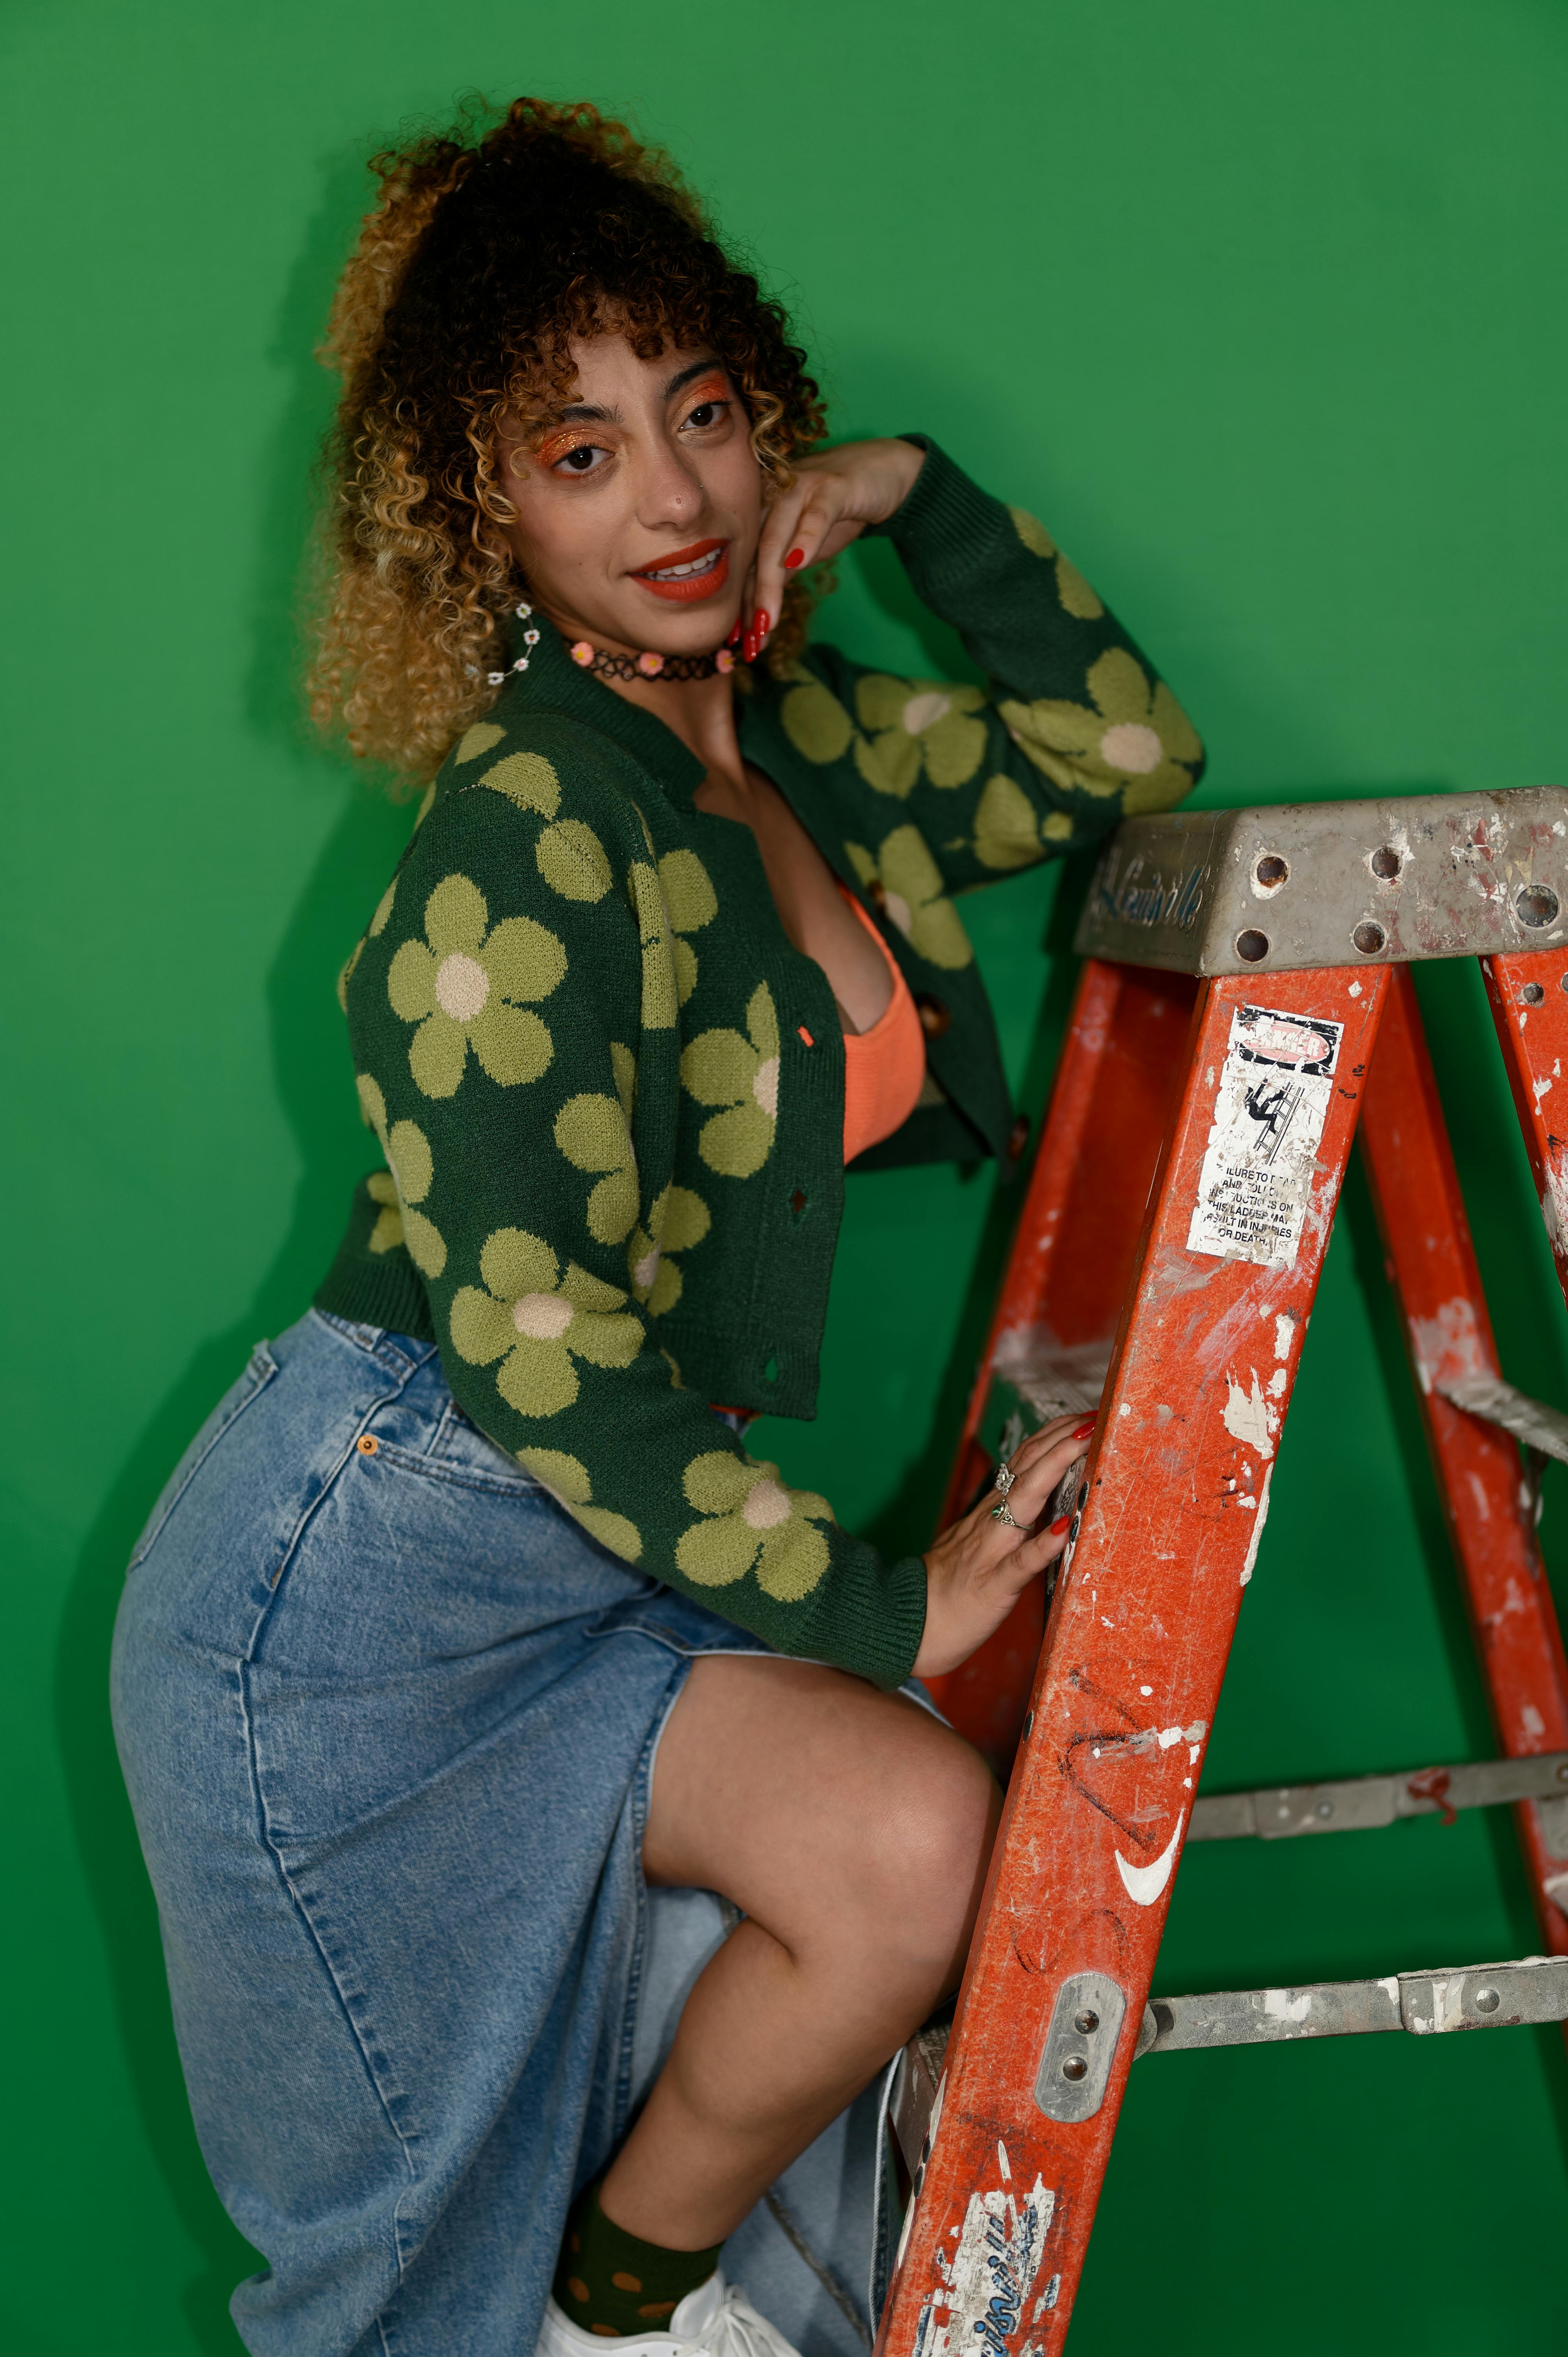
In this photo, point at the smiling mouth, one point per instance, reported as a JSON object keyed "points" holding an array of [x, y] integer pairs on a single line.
{"points": [[688, 573]]}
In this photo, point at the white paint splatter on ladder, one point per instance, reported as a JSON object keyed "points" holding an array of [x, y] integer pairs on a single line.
{"points": [[987, 2282]]}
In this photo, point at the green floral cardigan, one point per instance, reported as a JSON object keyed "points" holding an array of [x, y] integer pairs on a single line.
{"points": [[610, 1093]]}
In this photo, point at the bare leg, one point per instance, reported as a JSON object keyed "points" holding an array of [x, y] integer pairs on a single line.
{"points": [[854, 1831]]}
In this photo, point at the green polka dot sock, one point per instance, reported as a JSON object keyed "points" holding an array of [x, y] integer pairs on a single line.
{"points": [[613, 2283]]}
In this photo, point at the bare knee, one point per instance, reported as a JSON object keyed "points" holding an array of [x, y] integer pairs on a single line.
{"points": [[932, 1839]]}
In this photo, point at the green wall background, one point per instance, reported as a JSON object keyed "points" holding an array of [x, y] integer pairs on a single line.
{"points": [[1263, 309]]}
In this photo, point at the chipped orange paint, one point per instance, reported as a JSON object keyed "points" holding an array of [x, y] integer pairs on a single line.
{"points": [[1432, 1265], [1142, 1622]]}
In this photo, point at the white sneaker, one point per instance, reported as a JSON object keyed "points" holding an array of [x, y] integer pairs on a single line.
{"points": [[715, 2320]]}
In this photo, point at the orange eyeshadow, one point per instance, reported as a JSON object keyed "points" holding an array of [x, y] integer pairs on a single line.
{"points": [[573, 438]]}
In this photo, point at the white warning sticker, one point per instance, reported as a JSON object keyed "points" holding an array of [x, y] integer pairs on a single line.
{"points": [[1273, 1101]]}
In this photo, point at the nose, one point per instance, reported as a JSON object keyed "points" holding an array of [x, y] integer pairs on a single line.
{"points": [[669, 492]]}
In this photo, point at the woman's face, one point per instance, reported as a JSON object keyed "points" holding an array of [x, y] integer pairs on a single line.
{"points": [[639, 502]]}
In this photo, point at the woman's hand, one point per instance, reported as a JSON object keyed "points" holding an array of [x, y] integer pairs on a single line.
{"points": [[830, 502], [979, 1567]]}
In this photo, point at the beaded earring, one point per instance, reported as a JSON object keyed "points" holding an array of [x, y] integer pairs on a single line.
{"points": [[530, 639]]}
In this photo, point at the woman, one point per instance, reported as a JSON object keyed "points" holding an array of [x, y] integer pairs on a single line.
{"points": [[671, 944]]}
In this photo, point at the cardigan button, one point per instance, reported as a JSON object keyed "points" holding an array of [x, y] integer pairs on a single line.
{"points": [[935, 1018], [1018, 1137], [876, 894], [798, 1201]]}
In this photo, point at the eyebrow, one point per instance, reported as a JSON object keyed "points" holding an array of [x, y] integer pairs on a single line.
{"points": [[582, 413], [689, 375]]}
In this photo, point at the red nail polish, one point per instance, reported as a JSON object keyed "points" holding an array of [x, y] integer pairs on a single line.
{"points": [[734, 637], [1083, 1431], [1060, 1525], [763, 624], [796, 557]]}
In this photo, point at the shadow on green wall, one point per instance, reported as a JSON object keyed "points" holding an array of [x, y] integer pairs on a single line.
{"points": [[313, 1080], [314, 1086]]}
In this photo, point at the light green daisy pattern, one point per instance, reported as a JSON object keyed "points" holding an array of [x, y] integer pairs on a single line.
{"points": [[526, 779], [908, 724], [573, 861], [536, 1318], [690, 902], [750, 1518], [1078, 598], [592, 1132], [720, 1068], [1136, 741], [906, 882], [401, 1185], [480, 738], [911, 721], [661, 991], [1008, 832], [678, 1219], [815, 721], [567, 1480], [467, 986]]}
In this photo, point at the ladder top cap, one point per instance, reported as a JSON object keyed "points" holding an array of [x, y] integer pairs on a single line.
{"points": [[1294, 885]]}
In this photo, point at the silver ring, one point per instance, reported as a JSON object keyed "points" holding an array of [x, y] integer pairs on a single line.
{"points": [[1006, 1477], [1001, 1513]]}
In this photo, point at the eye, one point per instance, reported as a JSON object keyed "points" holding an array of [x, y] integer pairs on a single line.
{"points": [[711, 411], [582, 459]]}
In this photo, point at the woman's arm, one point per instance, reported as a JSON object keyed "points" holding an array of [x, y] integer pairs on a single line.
{"points": [[1074, 730]]}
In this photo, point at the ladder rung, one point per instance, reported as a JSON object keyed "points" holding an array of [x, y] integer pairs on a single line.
{"points": [[1530, 1989], [915, 2084], [1353, 1804], [1529, 1420], [1468, 1996]]}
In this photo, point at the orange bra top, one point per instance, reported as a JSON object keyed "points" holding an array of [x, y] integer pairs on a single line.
{"points": [[885, 1068]]}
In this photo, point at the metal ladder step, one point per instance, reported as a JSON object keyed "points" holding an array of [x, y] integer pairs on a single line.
{"points": [[1355, 1803], [1515, 1994]]}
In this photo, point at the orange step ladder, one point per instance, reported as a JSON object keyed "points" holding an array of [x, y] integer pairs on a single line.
{"points": [[1244, 1002]]}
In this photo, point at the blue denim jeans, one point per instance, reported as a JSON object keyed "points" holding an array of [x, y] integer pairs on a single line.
{"points": [[387, 1716]]}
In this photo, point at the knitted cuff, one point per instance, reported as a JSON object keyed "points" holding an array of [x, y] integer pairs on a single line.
{"points": [[948, 525], [874, 1630]]}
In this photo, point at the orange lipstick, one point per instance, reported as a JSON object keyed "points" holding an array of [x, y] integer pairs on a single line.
{"points": [[687, 575]]}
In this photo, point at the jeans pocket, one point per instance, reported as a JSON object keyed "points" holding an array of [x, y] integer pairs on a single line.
{"points": [[258, 1374], [498, 1480]]}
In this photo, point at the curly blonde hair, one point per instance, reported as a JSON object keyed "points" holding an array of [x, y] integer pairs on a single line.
{"points": [[483, 256]]}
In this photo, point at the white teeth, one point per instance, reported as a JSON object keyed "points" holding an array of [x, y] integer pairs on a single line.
{"points": [[684, 572]]}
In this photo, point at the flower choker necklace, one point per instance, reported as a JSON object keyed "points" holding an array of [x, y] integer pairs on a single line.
{"points": [[648, 665]]}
